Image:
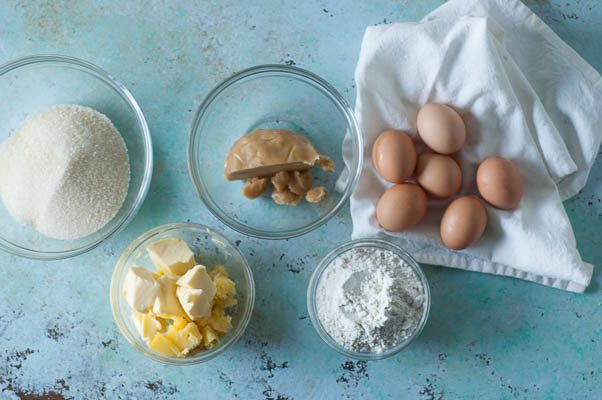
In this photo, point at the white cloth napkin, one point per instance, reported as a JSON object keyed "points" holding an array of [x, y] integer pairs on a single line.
{"points": [[523, 94]]}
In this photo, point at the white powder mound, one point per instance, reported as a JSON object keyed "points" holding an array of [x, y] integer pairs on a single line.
{"points": [[65, 172], [369, 299]]}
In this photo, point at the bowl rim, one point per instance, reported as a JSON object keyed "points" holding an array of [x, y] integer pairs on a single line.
{"points": [[118, 317], [116, 85], [353, 131], [325, 263]]}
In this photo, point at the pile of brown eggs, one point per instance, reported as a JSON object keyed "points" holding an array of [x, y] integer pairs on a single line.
{"points": [[438, 175]]}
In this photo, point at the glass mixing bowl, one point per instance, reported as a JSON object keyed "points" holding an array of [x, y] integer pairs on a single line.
{"points": [[279, 97], [30, 84], [323, 266], [210, 249]]}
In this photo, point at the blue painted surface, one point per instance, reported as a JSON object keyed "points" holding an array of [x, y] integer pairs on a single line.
{"points": [[487, 337]]}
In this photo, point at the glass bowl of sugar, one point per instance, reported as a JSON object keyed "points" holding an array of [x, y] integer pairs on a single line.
{"points": [[31, 86], [368, 299]]}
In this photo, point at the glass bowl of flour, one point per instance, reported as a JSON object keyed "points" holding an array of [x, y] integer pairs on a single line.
{"points": [[74, 114], [368, 299]]}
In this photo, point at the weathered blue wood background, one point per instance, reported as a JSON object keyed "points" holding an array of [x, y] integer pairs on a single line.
{"points": [[488, 337]]}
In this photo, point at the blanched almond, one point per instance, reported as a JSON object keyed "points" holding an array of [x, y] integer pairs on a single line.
{"points": [[316, 194], [285, 198], [255, 187], [301, 182]]}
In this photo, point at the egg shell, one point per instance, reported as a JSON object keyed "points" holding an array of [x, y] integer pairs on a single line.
{"points": [[441, 128], [500, 183], [463, 222], [394, 156], [439, 175], [401, 207]]}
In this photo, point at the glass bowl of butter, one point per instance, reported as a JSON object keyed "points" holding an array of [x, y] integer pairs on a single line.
{"points": [[182, 294], [265, 151]]}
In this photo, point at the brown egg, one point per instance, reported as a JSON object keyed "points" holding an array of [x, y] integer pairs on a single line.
{"points": [[500, 183], [441, 128], [394, 156], [439, 175], [401, 207], [463, 222]]}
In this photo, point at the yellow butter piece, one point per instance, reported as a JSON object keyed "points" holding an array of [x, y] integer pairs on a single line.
{"points": [[162, 321], [162, 344], [198, 278], [140, 288], [219, 320], [169, 320], [186, 339], [218, 270], [147, 324], [225, 287], [225, 303], [210, 337], [179, 322], [167, 304], [171, 256], [195, 302]]}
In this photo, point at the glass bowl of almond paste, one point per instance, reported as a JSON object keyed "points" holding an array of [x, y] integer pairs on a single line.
{"points": [[273, 97]]}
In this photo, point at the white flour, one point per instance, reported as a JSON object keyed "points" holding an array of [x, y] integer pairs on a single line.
{"points": [[64, 172], [369, 299]]}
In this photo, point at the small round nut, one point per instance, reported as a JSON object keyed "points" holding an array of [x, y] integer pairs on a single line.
{"points": [[285, 198], [281, 180], [300, 182], [254, 187], [315, 195]]}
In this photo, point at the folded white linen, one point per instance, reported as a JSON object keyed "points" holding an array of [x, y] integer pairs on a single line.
{"points": [[537, 104], [569, 89]]}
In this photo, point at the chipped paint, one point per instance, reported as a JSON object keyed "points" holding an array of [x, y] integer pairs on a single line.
{"points": [[354, 372]]}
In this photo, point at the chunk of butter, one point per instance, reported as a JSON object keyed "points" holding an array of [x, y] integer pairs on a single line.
{"points": [[147, 325], [179, 322], [198, 278], [210, 337], [225, 287], [167, 304], [140, 288], [186, 339], [171, 256], [195, 302], [162, 344], [218, 320]]}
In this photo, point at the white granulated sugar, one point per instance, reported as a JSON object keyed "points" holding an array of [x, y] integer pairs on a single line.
{"points": [[65, 172], [369, 299]]}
